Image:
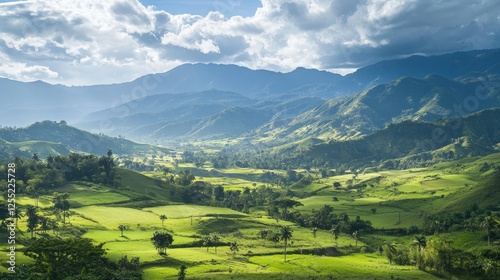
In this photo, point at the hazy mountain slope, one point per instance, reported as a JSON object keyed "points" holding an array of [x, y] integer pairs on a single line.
{"points": [[231, 122], [426, 99], [40, 100], [477, 134], [250, 83], [163, 103], [134, 116], [450, 65], [193, 114]]}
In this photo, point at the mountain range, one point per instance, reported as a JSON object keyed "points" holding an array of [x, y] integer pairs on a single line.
{"points": [[414, 143], [211, 101], [77, 104]]}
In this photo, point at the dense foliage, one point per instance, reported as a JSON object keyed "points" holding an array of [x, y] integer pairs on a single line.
{"points": [[73, 259], [35, 177]]}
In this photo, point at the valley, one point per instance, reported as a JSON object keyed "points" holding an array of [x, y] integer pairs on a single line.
{"points": [[212, 171], [396, 203]]}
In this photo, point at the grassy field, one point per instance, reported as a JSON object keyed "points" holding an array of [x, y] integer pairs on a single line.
{"points": [[389, 199]]}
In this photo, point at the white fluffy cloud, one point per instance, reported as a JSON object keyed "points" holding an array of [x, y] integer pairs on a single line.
{"points": [[90, 41]]}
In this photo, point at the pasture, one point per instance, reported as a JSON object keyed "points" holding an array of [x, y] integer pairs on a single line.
{"points": [[389, 199]]}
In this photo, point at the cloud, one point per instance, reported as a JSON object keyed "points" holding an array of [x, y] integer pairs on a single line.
{"points": [[25, 72], [90, 41]]}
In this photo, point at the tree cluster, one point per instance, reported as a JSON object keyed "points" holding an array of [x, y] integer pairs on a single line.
{"points": [[35, 177], [441, 256], [73, 259]]}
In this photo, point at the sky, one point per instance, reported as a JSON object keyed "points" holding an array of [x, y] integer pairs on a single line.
{"points": [[88, 42]]}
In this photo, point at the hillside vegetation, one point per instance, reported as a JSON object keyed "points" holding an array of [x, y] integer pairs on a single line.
{"points": [[396, 204]]}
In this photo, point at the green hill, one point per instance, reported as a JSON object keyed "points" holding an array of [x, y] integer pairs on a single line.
{"points": [[50, 137], [427, 99], [410, 143], [9, 150]]}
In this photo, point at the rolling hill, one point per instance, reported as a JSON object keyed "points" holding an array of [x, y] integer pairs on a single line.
{"points": [[49, 137], [407, 144], [431, 98]]}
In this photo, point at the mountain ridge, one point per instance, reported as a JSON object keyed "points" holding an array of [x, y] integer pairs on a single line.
{"points": [[408, 143], [57, 102]]}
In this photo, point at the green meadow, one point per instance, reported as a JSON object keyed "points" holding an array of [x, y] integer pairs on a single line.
{"points": [[389, 199]]}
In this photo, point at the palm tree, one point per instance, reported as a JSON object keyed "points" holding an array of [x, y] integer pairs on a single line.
{"points": [[421, 243], [488, 223], [391, 251], [335, 232], [355, 236], [33, 218], [44, 224], [17, 214], [162, 218], [122, 228], [61, 203], [285, 235], [234, 248]]}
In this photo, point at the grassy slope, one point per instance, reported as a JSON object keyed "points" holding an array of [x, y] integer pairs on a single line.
{"points": [[27, 148], [402, 197], [98, 211]]}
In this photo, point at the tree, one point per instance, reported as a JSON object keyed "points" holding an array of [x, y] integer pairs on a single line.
{"points": [[335, 232], [274, 237], [207, 242], [34, 188], [285, 235], [488, 223], [285, 204], [53, 226], [44, 224], [355, 236], [17, 214], [185, 178], [182, 273], [215, 240], [33, 219], [315, 231], [165, 171], [107, 164], [391, 252], [122, 228], [263, 233], [60, 258], [234, 248], [133, 265], [218, 193], [162, 218], [61, 203], [421, 243], [161, 241]]}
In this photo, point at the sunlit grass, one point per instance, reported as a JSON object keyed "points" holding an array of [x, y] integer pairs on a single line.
{"points": [[184, 211]]}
